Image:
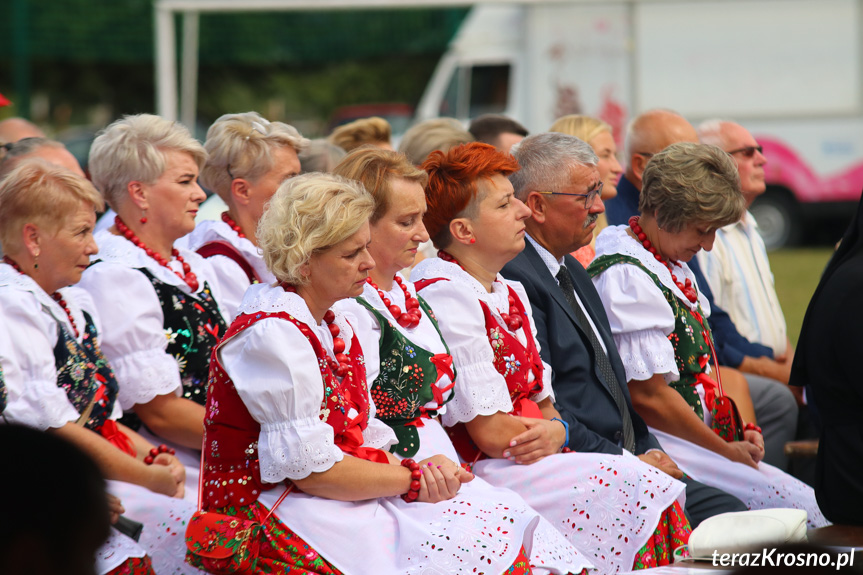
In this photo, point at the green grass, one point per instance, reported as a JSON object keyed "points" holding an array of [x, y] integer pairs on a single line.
{"points": [[796, 272]]}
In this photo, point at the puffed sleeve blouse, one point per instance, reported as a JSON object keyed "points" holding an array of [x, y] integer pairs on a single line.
{"points": [[276, 373], [640, 318], [30, 322], [479, 388], [134, 338]]}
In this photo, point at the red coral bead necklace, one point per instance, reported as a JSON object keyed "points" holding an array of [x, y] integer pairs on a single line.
{"points": [[232, 224], [55, 296], [410, 318], [687, 288], [187, 276], [512, 319], [342, 364]]}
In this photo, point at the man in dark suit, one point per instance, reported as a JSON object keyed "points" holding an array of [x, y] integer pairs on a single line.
{"points": [[560, 184]]}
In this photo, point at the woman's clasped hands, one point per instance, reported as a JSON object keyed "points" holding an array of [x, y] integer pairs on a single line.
{"points": [[441, 478]]}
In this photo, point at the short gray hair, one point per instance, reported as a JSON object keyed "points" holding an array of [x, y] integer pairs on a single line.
{"points": [[690, 183], [239, 145], [13, 152], [308, 214], [134, 149], [542, 157]]}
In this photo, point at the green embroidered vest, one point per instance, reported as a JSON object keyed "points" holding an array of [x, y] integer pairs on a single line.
{"points": [[407, 381], [691, 349]]}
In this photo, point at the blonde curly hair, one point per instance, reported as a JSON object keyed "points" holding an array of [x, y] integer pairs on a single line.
{"points": [[310, 214]]}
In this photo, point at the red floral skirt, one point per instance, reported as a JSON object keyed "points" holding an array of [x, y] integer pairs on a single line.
{"points": [[134, 566], [672, 531], [282, 550]]}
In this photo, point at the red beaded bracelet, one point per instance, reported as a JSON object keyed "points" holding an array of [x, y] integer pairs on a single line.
{"points": [[156, 451], [414, 490], [752, 427]]}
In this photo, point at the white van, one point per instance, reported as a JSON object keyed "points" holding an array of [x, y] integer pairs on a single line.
{"points": [[788, 70]]}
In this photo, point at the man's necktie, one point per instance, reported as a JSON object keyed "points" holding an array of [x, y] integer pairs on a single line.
{"points": [[604, 364]]}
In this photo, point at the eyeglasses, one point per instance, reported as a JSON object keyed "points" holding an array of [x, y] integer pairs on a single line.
{"points": [[748, 151], [589, 197]]}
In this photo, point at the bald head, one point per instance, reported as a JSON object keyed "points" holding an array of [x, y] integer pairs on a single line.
{"points": [[649, 134], [14, 129]]}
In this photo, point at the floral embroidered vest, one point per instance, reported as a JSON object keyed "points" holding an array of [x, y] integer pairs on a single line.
{"points": [[407, 381], [232, 473], [192, 326], [689, 339], [514, 361], [83, 373]]}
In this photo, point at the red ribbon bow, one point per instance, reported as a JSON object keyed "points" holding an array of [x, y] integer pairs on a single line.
{"points": [[351, 439]]}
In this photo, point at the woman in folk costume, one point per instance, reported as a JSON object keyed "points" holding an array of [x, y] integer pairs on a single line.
{"points": [[659, 322], [247, 158], [159, 304], [56, 378], [289, 413], [621, 512], [408, 366]]}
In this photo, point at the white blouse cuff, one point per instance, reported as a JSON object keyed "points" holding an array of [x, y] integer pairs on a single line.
{"points": [[296, 449], [144, 375], [379, 435], [547, 389], [646, 353], [479, 390], [40, 407]]}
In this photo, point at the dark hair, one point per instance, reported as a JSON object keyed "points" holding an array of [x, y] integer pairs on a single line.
{"points": [[488, 127], [54, 510]]}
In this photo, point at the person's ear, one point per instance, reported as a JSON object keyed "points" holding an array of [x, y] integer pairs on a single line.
{"points": [[538, 205], [138, 194], [305, 270], [461, 231], [241, 191], [639, 163], [32, 239]]}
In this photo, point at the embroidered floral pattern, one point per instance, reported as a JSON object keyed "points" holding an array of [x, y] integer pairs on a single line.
{"points": [[134, 566], [192, 327], [83, 372], [405, 389], [691, 349], [672, 532], [277, 549]]}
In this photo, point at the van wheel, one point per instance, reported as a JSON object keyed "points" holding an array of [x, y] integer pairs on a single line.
{"points": [[778, 217]]}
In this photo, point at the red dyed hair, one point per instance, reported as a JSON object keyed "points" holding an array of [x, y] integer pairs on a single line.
{"points": [[452, 186]]}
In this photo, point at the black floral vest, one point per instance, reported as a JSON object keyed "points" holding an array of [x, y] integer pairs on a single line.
{"points": [[193, 326], [84, 374]]}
